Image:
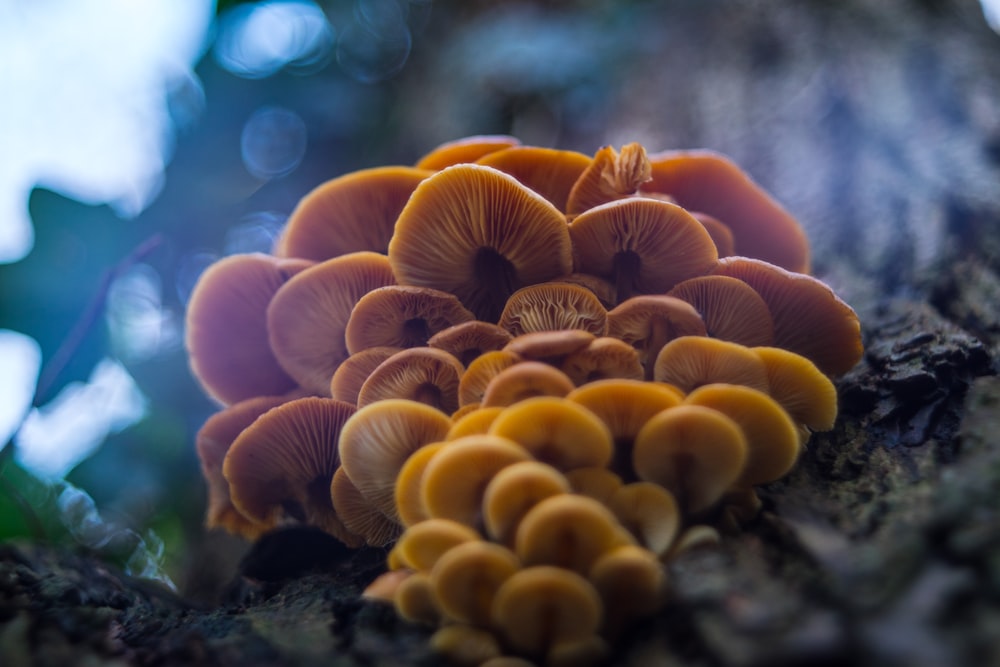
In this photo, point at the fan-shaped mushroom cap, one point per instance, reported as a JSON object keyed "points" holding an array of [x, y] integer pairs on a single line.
{"points": [[420, 374], [307, 317], [562, 433], [455, 479], [570, 531], [526, 379], [465, 645], [351, 213], [212, 442], [625, 405], [650, 321], [721, 235], [549, 172], [469, 340], [731, 309], [352, 373], [281, 465], [472, 385], [378, 439], [465, 579], [358, 514], [541, 607], [602, 288], [415, 600], [553, 306], [693, 451], [466, 149], [809, 319], [401, 316], [772, 440], [689, 362], [610, 176], [808, 396], [644, 246], [409, 502], [383, 588], [605, 358], [479, 234], [422, 544], [695, 537], [649, 512], [515, 490], [709, 182], [596, 482], [226, 330], [475, 422], [551, 347], [631, 583]]}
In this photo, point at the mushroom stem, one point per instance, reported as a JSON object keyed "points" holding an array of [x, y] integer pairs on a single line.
{"points": [[499, 275], [429, 394], [416, 332], [626, 272]]}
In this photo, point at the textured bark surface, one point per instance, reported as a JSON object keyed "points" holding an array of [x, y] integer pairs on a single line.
{"points": [[878, 124]]}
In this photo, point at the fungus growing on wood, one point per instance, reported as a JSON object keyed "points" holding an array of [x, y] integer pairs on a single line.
{"points": [[466, 149], [553, 306], [401, 316], [569, 531], [468, 340], [466, 577], [642, 245], [226, 327], [611, 175], [523, 380], [605, 358], [513, 492], [689, 362], [808, 396], [730, 309], [420, 374], [307, 317], [488, 236], [649, 322], [353, 371], [351, 213], [631, 583], [472, 385], [549, 172]]}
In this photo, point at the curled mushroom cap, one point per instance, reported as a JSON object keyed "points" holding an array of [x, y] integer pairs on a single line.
{"points": [[605, 358], [472, 385], [731, 309], [649, 512], [376, 441], [695, 452], [409, 501], [351, 213], [477, 233], [280, 467], [772, 440], [649, 322], [809, 319], [307, 317], [644, 246], [466, 149], [610, 176], [708, 181], [808, 396], [465, 579], [553, 306], [515, 490], [562, 433], [568, 530], [689, 362], [358, 514], [542, 607], [422, 544], [401, 316], [226, 330], [420, 374], [523, 380], [549, 172], [468, 340]]}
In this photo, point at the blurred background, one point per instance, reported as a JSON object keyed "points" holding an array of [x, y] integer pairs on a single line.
{"points": [[141, 141]]}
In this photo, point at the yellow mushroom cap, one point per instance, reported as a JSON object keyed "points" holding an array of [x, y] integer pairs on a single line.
{"points": [[553, 306], [422, 544], [731, 309], [596, 482], [352, 373], [465, 645], [466, 577], [420, 374], [383, 588], [695, 452], [689, 362], [358, 514], [513, 492], [649, 512], [401, 316], [610, 176], [415, 600], [562, 433], [569, 531], [549, 172], [488, 236], [468, 340], [409, 503], [466, 149], [796, 383], [631, 582], [772, 440], [649, 322], [474, 422], [524, 380], [472, 385]]}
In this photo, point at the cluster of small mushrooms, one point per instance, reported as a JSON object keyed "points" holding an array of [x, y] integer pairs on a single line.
{"points": [[538, 374]]}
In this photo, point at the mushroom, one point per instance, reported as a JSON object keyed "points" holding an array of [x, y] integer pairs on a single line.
{"points": [[468, 340], [513, 491], [523, 380], [423, 543], [466, 149], [808, 396], [466, 577], [352, 373], [378, 439], [642, 245], [610, 176], [695, 452], [605, 358], [307, 317], [472, 385], [550, 347], [631, 582], [721, 235], [477, 233], [553, 306], [465, 645], [474, 422], [401, 316], [731, 309], [710, 182], [691, 361], [358, 514], [649, 322], [650, 514], [280, 467], [602, 288], [351, 213], [595, 482], [809, 318], [420, 374], [409, 504], [415, 600], [226, 327], [549, 172]]}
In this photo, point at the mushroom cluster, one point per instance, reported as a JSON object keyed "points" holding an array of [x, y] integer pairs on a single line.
{"points": [[543, 373]]}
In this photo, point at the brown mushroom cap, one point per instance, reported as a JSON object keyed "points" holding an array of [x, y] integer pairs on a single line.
{"points": [[481, 371], [351, 213], [569, 531], [420, 374], [731, 309], [549, 172], [649, 322], [809, 319], [689, 362], [226, 327], [465, 579], [423, 543], [377, 441], [596, 482], [695, 452], [643, 245], [721, 235], [352, 373], [602, 288], [649, 512], [479, 234], [307, 317], [808, 396], [466, 149], [605, 358], [553, 306], [523, 380], [631, 583], [610, 176], [468, 340], [359, 515], [709, 182], [513, 492], [401, 316], [550, 347], [280, 467], [408, 495]]}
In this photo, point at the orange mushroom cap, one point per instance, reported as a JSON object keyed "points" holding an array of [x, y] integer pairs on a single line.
{"points": [[691, 361], [731, 309], [513, 492], [549, 172], [553, 306], [569, 531], [352, 373], [605, 358], [420, 374], [423, 543], [809, 397], [481, 371], [523, 380], [401, 316], [649, 512], [611, 175], [466, 149], [408, 495], [468, 340], [466, 577], [649, 322]]}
